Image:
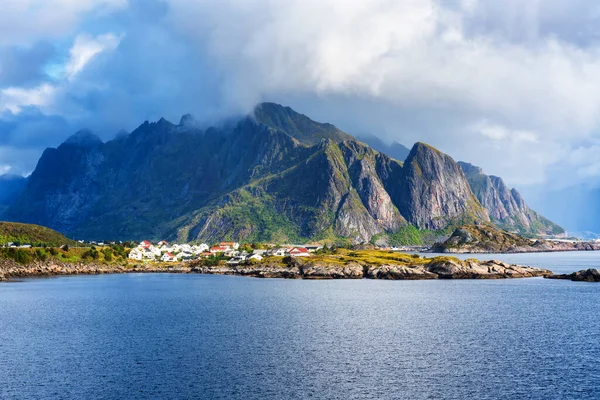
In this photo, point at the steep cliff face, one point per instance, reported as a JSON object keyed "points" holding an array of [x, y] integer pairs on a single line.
{"points": [[506, 207], [334, 192], [435, 192], [64, 184], [273, 176]]}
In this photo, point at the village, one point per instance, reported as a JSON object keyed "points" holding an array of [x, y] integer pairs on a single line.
{"points": [[232, 251]]}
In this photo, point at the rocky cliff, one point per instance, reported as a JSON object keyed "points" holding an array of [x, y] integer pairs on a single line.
{"points": [[505, 206], [275, 175], [434, 192]]}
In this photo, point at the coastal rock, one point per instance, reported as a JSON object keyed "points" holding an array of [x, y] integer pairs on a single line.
{"points": [[586, 275], [484, 238], [436, 268], [327, 271], [399, 272]]}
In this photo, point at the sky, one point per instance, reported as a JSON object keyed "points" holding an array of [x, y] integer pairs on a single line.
{"points": [[510, 85]]}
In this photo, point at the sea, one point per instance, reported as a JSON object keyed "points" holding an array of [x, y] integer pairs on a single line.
{"points": [[171, 336]]}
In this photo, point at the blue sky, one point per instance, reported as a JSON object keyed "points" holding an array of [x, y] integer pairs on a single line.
{"points": [[512, 86]]}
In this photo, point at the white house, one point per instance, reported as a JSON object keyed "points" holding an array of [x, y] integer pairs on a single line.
{"points": [[281, 252], [236, 260], [299, 252], [256, 257], [168, 257], [135, 254], [231, 245]]}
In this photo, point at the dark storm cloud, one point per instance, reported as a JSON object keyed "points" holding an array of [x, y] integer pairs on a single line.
{"points": [[24, 66]]}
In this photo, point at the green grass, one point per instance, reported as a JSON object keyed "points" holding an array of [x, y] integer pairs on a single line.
{"points": [[31, 234], [369, 257]]}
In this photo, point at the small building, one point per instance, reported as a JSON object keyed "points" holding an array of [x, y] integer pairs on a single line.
{"points": [[237, 260], [219, 249], [299, 252], [168, 257], [281, 252], [231, 245]]}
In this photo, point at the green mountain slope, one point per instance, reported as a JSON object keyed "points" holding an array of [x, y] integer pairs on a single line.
{"points": [[273, 176], [31, 234]]}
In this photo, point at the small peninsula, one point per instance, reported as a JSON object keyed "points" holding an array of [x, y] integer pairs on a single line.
{"points": [[485, 238]]}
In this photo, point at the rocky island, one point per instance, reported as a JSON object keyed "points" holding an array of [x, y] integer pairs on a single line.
{"points": [[585, 275]]}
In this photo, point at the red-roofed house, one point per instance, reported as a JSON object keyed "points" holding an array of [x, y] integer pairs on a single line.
{"points": [[230, 245], [219, 249], [299, 252]]}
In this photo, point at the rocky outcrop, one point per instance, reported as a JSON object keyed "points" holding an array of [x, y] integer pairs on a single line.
{"points": [[487, 239], [505, 206], [435, 192], [440, 268], [586, 275]]}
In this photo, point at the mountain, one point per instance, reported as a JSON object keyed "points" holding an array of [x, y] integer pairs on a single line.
{"points": [[505, 206], [275, 175], [395, 150], [10, 187]]}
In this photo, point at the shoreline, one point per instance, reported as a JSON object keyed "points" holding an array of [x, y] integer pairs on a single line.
{"points": [[533, 251], [297, 269]]}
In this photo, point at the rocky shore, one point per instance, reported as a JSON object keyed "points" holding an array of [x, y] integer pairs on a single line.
{"points": [[586, 275], [482, 239], [446, 269], [10, 269], [296, 269]]}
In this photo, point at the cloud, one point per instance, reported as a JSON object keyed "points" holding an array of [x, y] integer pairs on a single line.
{"points": [[85, 48], [23, 22], [513, 86]]}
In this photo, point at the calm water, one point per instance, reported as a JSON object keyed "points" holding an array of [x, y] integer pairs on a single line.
{"points": [[216, 337]]}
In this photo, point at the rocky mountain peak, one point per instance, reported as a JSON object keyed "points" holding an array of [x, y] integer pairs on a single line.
{"points": [[297, 125], [435, 190], [505, 206], [84, 138], [187, 119]]}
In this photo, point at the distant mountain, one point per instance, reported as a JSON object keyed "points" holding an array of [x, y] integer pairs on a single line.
{"points": [[394, 150], [10, 187], [505, 206], [275, 176]]}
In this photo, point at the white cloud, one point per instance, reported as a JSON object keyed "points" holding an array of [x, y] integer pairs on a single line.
{"points": [[511, 85], [14, 99], [25, 21], [519, 65], [46, 96], [87, 47]]}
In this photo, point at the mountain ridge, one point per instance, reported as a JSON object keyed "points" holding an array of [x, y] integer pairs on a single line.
{"points": [[275, 175]]}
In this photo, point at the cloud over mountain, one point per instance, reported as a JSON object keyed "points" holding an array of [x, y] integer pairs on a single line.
{"points": [[512, 86]]}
